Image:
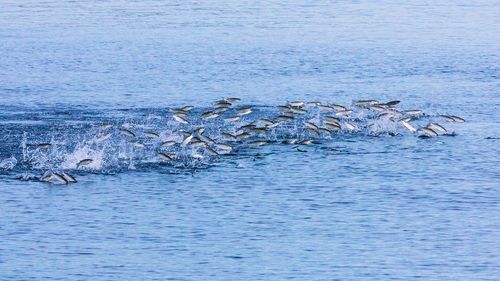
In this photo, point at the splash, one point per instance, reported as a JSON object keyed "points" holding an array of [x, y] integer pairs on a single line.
{"points": [[188, 137]]}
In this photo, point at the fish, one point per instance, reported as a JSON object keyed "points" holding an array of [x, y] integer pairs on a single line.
{"points": [[273, 125], [453, 118], [349, 126], [244, 111], [413, 112], [298, 110], [331, 125], [392, 103], [313, 103], [325, 131], [378, 107], [180, 119], [407, 125], [69, 178], [437, 128], [206, 139], [313, 131], [326, 107], [198, 144], [306, 142], [84, 162], [232, 100], [103, 138], [168, 143], [296, 103], [211, 151], [258, 130], [229, 137], [165, 157], [209, 115], [151, 134], [47, 177], [257, 143], [219, 110], [284, 118], [365, 103], [338, 107], [290, 141], [60, 178], [331, 119], [187, 108], [44, 145], [343, 112], [127, 133], [224, 146], [246, 127], [199, 130], [187, 140], [426, 132], [244, 135], [310, 125], [232, 119]]}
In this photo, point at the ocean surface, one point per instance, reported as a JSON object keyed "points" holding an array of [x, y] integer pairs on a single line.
{"points": [[370, 200]]}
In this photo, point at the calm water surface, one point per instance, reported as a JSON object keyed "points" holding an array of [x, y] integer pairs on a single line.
{"points": [[356, 206]]}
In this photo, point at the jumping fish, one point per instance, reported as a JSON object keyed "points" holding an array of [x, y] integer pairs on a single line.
{"points": [[223, 146], [127, 133], [44, 145], [209, 115], [69, 178], [426, 132], [180, 119], [344, 112], [244, 111], [165, 156], [310, 125], [232, 119], [407, 125], [257, 143], [187, 139], [349, 126], [103, 138], [60, 178], [187, 108], [84, 162], [151, 134], [229, 137], [168, 143], [437, 128]]}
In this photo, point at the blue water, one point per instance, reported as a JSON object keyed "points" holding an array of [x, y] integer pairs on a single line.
{"points": [[375, 203]]}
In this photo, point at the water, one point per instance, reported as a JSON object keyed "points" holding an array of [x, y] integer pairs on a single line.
{"points": [[366, 204]]}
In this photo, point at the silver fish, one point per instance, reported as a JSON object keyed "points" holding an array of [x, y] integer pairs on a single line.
{"points": [[168, 143], [180, 119], [165, 156], [127, 133], [68, 177], [151, 134], [84, 162], [244, 111], [407, 125], [232, 119], [310, 125]]}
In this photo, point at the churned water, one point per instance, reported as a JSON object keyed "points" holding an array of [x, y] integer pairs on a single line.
{"points": [[368, 200]]}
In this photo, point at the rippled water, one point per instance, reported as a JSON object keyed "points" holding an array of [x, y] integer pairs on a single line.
{"points": [[376, 202]]}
